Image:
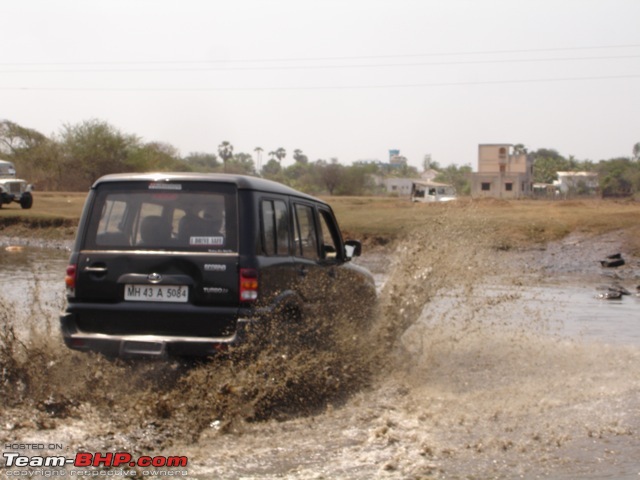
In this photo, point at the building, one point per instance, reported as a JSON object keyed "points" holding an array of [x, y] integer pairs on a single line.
{"points": [[503, 172], [396, 186]]}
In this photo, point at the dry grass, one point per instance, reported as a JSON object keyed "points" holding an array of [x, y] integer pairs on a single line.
{"points": [[49, 205], [54, 215], [517, 222], [380, 220]]}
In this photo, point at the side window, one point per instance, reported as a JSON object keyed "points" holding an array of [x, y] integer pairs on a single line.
{"points": [[282, 227], [268, 227], [112, 216], [330, 237], [275, 227], [306, 240]]}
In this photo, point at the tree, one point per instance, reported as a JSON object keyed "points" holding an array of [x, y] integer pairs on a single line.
{"points": [[91, 149], [519, 149], [426, 162], [355, 180], [154, 156], [280, 153], [258, 163], [202, 162], [15, 139], [329, 173], [457, 176], [300, 157], [36, 156], [241, 163], [272, 169], [636, 152], [619, 177], [225, 150], [546, 165]]}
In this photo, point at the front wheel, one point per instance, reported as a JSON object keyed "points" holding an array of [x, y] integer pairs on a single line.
{"points": [[26, 201]]}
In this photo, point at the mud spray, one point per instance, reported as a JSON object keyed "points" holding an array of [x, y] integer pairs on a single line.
{"points": [[454, 379]]}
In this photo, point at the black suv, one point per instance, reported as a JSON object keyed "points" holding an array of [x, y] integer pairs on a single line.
{"points": [[181, 264]]}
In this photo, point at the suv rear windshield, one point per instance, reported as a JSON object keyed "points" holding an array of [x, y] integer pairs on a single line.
{"points": [[189, 216]]}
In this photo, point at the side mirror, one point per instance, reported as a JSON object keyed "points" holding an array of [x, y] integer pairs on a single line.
{"points": [[352, 248]]}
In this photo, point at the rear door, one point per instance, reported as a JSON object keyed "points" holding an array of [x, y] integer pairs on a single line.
{"points": [[159, 242]]}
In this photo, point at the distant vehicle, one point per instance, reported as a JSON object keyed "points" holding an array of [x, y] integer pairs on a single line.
{"points": [[432, 192], [178, 264], [13, 189]]}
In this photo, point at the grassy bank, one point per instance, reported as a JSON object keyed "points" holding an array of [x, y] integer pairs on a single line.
{"points": [[380, 220], [517, 223], [54, 215]]}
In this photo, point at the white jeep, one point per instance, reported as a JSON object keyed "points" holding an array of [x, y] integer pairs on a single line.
{"points": [[13, 189]]}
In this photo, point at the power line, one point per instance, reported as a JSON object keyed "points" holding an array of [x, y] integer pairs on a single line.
{"points": [[319, 59], [336, 87], [318, 67]]}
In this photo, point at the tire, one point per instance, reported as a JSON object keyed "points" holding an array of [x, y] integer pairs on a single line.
{"points": [[5, 198], [26, 201]]}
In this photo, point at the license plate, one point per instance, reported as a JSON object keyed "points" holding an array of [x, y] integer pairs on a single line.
{"points": [[156, 293]]}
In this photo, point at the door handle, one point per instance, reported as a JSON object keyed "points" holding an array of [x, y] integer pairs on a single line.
{"points": [[95, 269], [97, 272]]}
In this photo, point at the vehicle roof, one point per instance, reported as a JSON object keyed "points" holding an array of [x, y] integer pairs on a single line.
{"points": [[427, 183], [6, 162], [242, 182]]}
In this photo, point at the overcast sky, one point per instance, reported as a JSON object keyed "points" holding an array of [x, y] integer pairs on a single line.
{"points": [[349, 79]]}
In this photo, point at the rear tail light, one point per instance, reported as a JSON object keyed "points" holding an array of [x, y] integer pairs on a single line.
{"points": [[248, 285], [70, 281]]}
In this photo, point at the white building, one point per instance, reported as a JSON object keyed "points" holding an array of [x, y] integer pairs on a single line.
{"points": [[394, 185]]}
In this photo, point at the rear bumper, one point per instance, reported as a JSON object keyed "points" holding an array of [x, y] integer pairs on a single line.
{"points": [[151, 345]]}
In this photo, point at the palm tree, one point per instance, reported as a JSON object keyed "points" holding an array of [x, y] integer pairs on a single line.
{"points": [[225, 150], [280, 154], [258, 151], [519, 148]]}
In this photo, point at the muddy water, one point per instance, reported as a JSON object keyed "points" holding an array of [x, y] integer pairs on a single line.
{"points": [[29, 273], [491, 372]]}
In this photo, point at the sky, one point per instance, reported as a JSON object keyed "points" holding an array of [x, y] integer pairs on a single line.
{"points": [[347, 79]]}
